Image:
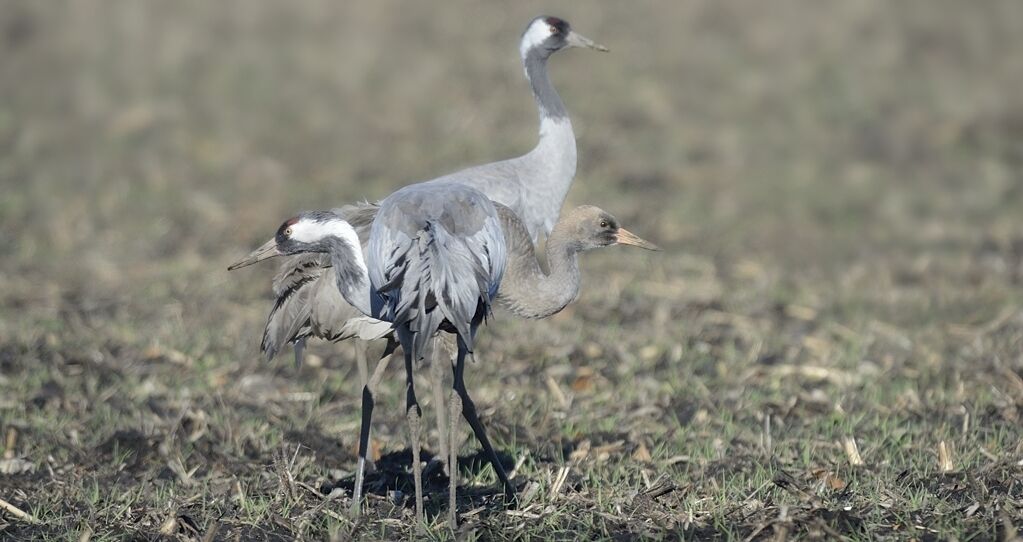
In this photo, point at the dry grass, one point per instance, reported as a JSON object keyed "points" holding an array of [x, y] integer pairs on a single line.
{"points": [[829, 347]]}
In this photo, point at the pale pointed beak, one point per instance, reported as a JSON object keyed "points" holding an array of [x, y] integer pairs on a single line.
{"points": [[626, 237], [578, 40], [268, 250]]}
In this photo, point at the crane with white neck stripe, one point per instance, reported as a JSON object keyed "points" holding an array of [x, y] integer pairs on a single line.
{"points": [[437, 257], [533, 186]]}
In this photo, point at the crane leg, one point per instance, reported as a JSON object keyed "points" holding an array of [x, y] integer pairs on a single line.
{"points": [[469, 411], [456, 412], [439, 352], [414, 415], [361, 347], [369, 388], [367, 415], [299, 352]]}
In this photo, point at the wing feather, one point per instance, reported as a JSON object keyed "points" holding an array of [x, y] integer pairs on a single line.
{"points": [[436, 255]]}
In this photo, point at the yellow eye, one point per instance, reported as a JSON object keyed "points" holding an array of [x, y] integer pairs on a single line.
{"points": [[287, 232]]}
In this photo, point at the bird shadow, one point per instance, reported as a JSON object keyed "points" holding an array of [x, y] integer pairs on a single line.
{"points": [[392, 479]]}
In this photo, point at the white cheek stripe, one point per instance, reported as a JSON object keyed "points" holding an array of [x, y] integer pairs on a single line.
{"points": [[306, 231], [534, 35]]}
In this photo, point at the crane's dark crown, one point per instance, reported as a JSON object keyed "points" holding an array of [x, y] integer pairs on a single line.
{"points": [[559, 25], [284, 232], [545, 35], [288, 231]]}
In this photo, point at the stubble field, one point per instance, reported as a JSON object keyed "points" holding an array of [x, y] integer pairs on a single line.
{"points": [[829, 346]]}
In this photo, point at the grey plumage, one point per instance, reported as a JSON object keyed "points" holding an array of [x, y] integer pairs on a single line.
{"points": [[436, 253], [435, 261], [437, 256], [533, 186]]}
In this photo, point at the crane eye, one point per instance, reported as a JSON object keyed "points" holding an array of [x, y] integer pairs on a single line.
{"points": [[287, 232]]}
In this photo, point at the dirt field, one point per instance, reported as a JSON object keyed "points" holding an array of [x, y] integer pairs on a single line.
{"points": [[829, 346]]}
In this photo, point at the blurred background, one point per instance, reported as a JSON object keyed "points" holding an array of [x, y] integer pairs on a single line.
{"points": [[148, 142], [836, 186]]}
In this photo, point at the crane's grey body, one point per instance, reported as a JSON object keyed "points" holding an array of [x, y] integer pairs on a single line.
{"points": [[535, 184], [436, 254], [434, 261]]}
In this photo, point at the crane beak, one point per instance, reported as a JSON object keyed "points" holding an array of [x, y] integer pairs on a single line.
{"points": [[268, 250], [579, 40], [626, 237]]}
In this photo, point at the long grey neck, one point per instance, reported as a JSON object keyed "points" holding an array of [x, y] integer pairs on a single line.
{"points": [[551, 164], [528, 291], [350, 271], [547, 99]]}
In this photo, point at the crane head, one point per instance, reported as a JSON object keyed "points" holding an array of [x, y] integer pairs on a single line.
{"points": [[305, 232], [548, 35], [593, 227]]}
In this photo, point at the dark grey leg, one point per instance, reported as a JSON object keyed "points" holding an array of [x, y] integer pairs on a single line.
{"points": [[469, 411], [368, 389]]}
